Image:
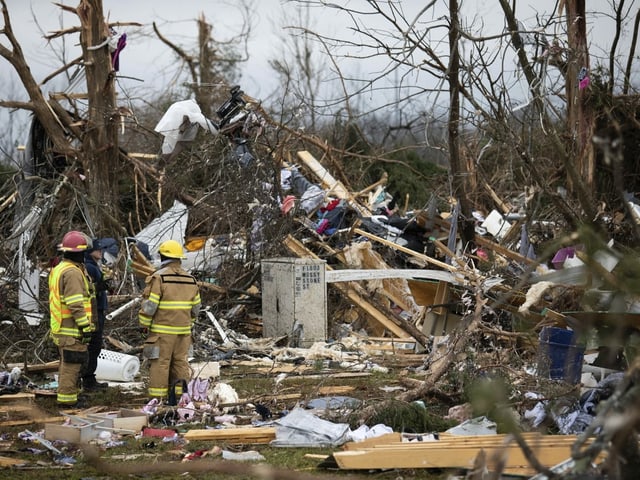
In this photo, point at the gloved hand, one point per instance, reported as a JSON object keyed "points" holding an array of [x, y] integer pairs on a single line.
{"points": [[144, 331], [87, 333]]}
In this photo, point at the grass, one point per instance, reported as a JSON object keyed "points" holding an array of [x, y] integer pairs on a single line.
{"points": [[152, 458]]}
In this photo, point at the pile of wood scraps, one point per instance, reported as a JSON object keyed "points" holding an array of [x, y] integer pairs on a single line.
{"points": [[427, 299], [495, 452]]}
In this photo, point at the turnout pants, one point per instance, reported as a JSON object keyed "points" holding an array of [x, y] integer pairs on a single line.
{"points": [[73, 355], [171, 364]]}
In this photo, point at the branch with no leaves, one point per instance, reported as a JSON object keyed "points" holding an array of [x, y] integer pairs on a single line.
{"points": [[16, 105], [188, 59]]}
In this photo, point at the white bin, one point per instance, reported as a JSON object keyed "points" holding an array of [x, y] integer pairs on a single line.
{"points": [[116, 366]]}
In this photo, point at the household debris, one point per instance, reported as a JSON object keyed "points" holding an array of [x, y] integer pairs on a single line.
{"points": [[385, 291]]}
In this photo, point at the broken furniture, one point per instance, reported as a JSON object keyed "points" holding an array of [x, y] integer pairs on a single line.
{"points": [[83, 429]]}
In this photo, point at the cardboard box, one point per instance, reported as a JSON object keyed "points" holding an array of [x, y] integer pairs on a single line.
{"points": [[80, 430], [124, 419]]}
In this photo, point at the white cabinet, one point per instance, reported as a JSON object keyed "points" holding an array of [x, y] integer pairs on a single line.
{"points": [[294, 300]]}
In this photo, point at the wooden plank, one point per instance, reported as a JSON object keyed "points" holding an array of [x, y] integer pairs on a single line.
{"points": [[456, 452], [261, 367], [371, 442], [423, 292], [31, 421], [336, 389], [243, 434], [38, 367], [505, 207], [415, 254], [44, 368], [10, 462], [447, 457], [15, 408], [505, 252], [372, 311], [16, 397]]}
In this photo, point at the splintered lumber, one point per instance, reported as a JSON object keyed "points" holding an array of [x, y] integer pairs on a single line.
{"points": [[458, 452], [138, 257], [296, 247], [413, 253], [10, 462], [240, 435]]}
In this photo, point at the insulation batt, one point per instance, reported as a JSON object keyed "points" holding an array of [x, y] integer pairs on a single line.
{"points": [[223, 393], [534, 294]]}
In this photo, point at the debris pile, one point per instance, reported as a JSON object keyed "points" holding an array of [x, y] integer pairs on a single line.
{"points": [[325, 280]]}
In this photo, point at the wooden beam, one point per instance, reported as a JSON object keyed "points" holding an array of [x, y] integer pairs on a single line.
{"points": [[234, 435], [458, 452], [296, 247], [413, 253]]}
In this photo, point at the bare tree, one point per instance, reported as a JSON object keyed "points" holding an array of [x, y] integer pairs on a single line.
{"points": [[84, 140], [549, 131]]}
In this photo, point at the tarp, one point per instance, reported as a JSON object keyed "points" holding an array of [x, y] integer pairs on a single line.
{"points": [[301, 428], [173, 128], [171, 225]]}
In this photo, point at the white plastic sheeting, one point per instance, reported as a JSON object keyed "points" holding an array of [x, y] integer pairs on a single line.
{"points": [[171, 225], [173, 127], [301, 428]]}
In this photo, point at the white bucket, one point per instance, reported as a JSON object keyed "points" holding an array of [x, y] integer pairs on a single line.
{"points": [[116, 366]]}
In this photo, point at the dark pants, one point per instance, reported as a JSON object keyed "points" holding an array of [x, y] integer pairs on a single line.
{"points": [[94, 348], [299, 184]]}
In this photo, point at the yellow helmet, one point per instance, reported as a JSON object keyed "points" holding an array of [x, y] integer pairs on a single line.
{"points": [[171, 249]]}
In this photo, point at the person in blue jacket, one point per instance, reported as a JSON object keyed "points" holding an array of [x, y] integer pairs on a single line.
{"points": [[93, 262]]}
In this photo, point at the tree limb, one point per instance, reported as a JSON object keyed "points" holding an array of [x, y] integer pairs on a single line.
{"points": [[188, 59]]}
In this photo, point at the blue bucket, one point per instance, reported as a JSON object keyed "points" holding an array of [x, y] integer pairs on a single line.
{"points": [[559, 357]]}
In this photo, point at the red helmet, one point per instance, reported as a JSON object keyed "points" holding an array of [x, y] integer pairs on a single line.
{"points": [[74, 241]]}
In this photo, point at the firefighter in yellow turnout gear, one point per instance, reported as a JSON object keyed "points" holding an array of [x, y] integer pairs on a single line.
{"points": [[170, 306], [70, 315]]}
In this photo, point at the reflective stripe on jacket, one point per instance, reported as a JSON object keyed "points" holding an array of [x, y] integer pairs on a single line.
{"points": [[171, 301], [69, 299]]}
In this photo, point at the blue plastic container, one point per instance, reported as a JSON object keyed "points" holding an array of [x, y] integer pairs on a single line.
{"points": [[560, 357]]}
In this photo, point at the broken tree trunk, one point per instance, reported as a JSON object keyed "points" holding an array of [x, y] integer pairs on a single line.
{"points": [[100, 143]]}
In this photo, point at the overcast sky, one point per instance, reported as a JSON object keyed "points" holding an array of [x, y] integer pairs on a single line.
{"points": [[147, 59]]}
